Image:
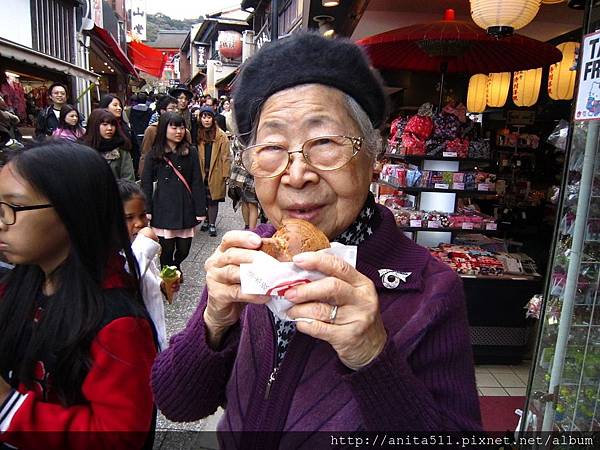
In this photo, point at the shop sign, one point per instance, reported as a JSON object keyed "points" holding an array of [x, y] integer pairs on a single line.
{"points": [[138, 19], [202, 50], [588, 92], [263, 36], [516, 117]]}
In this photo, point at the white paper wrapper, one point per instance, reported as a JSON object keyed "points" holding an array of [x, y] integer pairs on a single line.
{"points": [[268, 276]]}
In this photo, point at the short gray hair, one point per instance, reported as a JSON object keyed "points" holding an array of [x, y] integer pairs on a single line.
{"points": [[372, 137]]}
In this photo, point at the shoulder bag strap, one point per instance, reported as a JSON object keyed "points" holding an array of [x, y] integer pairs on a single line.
{"points": [[181, 177]]}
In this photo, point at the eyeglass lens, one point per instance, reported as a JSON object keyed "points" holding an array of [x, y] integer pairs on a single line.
{"points": [[7, 214]]}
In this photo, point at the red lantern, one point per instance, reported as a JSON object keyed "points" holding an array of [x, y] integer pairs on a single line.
{"points": [[230, 44]]}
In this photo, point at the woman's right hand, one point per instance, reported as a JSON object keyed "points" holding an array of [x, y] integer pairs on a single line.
{"points": [[225, 300]]}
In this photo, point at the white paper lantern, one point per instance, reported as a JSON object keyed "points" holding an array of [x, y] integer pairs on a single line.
{"points": [[501, 17], [477, 93], [561, 79], [497, 89], [526, 87]]}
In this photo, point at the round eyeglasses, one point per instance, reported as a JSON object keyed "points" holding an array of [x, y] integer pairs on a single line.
{"points": [[8, 212], [269, 160]]}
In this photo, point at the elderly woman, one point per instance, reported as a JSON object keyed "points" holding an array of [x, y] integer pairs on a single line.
{"points": [[381, 347]]}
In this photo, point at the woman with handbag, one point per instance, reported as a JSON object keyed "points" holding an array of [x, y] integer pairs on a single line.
{"points": [[177, 202]]}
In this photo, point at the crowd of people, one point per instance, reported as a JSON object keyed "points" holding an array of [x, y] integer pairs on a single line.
{"points": [[89, 216]]}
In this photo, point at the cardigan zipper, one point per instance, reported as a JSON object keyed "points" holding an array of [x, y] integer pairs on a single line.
{"points": [[275, 370], [270, 382]]}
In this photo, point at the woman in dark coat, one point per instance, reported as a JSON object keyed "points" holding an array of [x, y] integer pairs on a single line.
{"points": [[178, 202]]}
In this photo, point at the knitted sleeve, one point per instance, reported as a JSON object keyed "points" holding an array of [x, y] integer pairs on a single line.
{"points": [[189, 378], [428, 388], [119, 408]]}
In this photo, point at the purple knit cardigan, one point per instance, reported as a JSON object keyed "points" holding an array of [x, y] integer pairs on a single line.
{"points": [[422, 381]]}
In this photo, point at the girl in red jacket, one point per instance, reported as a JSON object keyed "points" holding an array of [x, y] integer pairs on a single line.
{"points": [[76, 344]]}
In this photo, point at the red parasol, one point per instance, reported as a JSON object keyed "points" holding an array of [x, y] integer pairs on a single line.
{"points": [[455, 46]]}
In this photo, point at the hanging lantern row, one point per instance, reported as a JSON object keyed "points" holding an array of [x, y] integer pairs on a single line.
{"points": [[492, 90]]}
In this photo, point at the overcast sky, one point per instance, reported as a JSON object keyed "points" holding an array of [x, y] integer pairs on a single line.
{"points": [[188, 9]]}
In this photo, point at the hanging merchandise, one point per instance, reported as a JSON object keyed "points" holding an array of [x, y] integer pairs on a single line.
{"points": [[502, 17], [526, 87], [477, 93], [497, 89], [417, 130], [561, 78]]}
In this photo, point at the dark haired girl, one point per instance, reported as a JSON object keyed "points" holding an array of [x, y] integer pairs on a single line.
{"points": [[177, 204], [115, 106], [104, 135], [215, 163], [68, 124], [76, 343]]}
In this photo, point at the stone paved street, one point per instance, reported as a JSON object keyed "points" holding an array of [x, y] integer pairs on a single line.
{"points": [[177, 316]]}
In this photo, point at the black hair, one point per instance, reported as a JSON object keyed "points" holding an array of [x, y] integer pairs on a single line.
{"points": [[66, 109], [56, 84], [160, 142], [70, 176], [129, 189], [142, 97], [107, 100], [92, 137], [166, 101]]}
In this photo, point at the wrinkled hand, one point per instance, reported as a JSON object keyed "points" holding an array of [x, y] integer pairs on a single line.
{"points": [[357, 334], [225, 300]]}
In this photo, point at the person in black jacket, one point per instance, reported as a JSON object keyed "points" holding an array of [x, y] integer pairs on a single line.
{"points": [[47, 120], [178, 203]]}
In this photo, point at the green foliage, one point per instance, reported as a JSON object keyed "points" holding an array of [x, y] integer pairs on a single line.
{"points": [[160, 21]]}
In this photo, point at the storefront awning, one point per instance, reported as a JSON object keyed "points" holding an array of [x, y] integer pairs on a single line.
{"points": [[147, 59], [114, 49], [18, 52], [227, 82]]}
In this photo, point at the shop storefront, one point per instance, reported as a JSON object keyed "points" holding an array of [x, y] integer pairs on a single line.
{"points": [[26, 75], [483, 163], [109, 60]]}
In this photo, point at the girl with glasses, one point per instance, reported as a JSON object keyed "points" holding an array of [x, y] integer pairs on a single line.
{"points": [[76, 342]]}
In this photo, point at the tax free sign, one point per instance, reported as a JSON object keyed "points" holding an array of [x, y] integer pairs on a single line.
{"points": [[588, 93]]}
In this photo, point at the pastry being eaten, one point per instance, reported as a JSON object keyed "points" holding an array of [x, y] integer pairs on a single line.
{"points": [[294, 236]]}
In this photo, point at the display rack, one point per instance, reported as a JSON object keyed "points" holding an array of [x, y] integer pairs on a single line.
{"points": [[416, 190], [564, 391]]}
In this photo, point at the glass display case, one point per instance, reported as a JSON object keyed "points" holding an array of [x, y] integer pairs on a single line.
{"points": [[564, 385]]}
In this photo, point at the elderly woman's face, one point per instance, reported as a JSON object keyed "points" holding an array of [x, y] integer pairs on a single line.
{"points": [[331, 200]]}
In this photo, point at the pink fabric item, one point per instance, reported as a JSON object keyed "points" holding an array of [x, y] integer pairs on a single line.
{"points": [[171, 234]]}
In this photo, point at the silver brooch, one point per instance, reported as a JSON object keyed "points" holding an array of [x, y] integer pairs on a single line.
{"points": [[391, 278]]}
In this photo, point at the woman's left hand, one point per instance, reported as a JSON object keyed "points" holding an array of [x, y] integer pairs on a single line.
{"points": [[356, 333]]}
